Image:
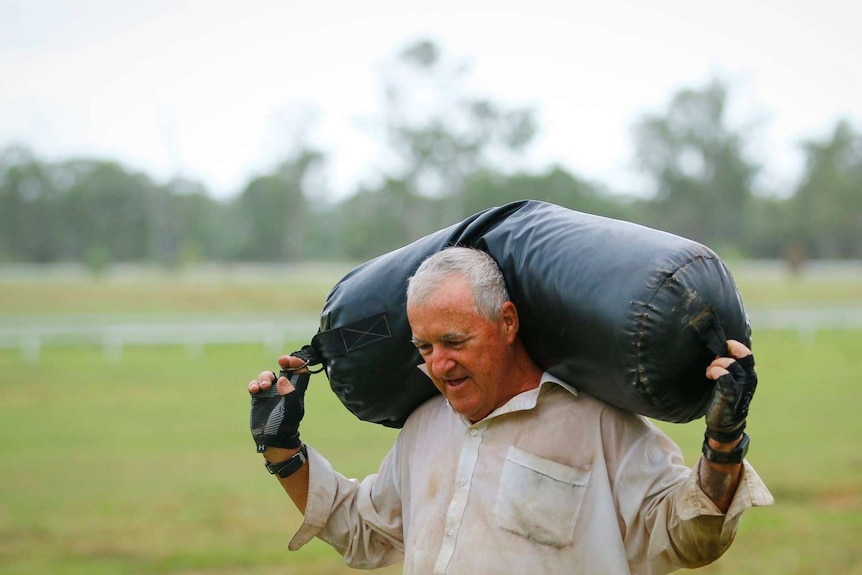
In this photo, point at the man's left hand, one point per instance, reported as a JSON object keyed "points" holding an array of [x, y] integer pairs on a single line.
{"points": [[735, 382]]}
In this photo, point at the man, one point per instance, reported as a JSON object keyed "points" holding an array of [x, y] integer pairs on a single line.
{"points": [[510, 470]]}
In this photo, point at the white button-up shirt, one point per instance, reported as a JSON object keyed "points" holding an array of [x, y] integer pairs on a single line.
{"points": [[551, 482]]}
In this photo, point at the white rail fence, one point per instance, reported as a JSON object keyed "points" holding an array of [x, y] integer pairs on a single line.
{"points": [[194, 333], [31, 335]]}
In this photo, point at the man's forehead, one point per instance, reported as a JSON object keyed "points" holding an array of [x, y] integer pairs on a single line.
{"points": [[453, 294]]}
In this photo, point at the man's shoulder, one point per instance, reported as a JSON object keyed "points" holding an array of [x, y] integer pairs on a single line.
{"points": [[587, 407], [433, 410]]}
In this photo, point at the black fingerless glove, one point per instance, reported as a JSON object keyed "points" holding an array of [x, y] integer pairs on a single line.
{"points": [[731, 396], [275, 418]]}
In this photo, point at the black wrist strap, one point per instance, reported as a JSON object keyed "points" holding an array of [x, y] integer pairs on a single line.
{"points": [[289, 466], [736, 456]]}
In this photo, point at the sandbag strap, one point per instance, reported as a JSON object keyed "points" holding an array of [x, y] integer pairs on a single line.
{"points": [[343, 340], [309, 357], [708, 326]]}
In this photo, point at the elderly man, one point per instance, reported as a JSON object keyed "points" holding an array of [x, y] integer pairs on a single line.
{"points": [[509, 469]]}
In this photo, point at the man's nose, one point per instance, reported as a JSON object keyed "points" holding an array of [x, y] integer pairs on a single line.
{"points": [[440, 362]]}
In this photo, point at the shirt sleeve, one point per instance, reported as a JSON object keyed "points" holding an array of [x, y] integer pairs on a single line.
{"points": [[695, 504], [669, 522], [360, 519]]}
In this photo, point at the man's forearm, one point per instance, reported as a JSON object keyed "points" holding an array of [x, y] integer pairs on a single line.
{"points": [[719, 480], [295, 485]]}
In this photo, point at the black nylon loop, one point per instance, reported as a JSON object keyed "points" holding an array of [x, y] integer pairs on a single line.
{"points": [[711, 332], [308, 357], [351, 337]]}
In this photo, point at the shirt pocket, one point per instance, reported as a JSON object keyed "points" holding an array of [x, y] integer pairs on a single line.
{"points": [[539, 499]]}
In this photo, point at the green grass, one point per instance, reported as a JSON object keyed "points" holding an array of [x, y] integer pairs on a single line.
{"points": [[807, 445], [145, 465], [302, 287], [811, 291]]}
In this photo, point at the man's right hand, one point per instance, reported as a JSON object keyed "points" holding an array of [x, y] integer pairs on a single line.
{"points": [[278, 405]]}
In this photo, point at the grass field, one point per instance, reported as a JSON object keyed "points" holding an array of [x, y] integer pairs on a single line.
{"points": [[146, 466]]}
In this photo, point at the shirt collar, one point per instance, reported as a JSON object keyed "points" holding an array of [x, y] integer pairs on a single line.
{"points": [[524, 401]]}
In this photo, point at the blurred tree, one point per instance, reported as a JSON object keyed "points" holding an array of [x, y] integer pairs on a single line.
{"points": [[488, 188], [451, 155], [770, 232], [186, 224], [375, 221], [29, 213], [438, 135], [107, 211], [701, 175], [269, 216], [827, 206], [96, 212]]}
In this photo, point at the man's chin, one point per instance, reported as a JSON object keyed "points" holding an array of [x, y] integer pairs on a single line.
{"points": [[467, 410]]}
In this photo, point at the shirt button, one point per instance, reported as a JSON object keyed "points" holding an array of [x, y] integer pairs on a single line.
{"points": [[473, 432], [462, 483], [450, 533]]}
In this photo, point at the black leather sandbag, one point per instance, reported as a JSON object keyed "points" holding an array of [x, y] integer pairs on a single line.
{"points": [[626, 313]]}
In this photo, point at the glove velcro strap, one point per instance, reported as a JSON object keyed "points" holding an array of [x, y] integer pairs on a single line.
{"points": [[726, 436], [292, 442]]}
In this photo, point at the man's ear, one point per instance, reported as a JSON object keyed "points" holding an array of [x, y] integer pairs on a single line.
{"points": [[509, 321]]}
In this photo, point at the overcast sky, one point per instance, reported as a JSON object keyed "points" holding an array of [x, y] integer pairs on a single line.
{"points": [[212, 90]]}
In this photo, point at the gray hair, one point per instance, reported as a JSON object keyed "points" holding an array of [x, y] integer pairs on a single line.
{"points": [[477, 267]]}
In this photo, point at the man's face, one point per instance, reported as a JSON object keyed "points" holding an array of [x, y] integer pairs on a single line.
{"points": [[466, 355]]}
